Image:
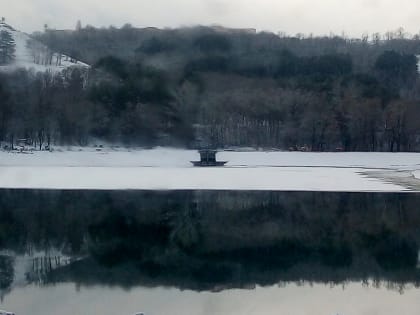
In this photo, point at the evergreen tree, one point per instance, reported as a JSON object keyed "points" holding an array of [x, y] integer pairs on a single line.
{"points": [[7, 48]]}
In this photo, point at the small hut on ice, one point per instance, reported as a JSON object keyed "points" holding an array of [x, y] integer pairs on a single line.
{"points": [[208, 158]]}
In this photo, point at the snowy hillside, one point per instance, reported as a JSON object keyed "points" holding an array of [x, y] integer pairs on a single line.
{"points": [[418, 63], [31, 54]]}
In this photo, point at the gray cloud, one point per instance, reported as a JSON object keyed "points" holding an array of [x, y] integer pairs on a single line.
{"points": [[292, 16], [219, 7]]}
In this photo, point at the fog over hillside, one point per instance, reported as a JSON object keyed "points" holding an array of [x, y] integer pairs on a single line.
{"points": [[320, 17]]}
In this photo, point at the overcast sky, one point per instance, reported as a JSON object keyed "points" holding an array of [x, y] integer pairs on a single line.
{"points": [[354, 17]]}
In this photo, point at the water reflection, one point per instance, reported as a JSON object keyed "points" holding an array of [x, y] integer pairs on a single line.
{"points": [[208, 241]]}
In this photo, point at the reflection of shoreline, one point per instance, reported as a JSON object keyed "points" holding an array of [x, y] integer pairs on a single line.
{"points": [[89, 274], [207, 240], [86, 272]]}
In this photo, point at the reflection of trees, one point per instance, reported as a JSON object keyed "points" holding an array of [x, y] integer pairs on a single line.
{"points": [[7, 274], [185, 224], [42, 266], [210, 240], [116, 239]]}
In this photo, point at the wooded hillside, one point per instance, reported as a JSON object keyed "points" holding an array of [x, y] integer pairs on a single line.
{"points": [[222, 88]]}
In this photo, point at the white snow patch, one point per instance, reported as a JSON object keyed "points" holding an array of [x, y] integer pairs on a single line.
{"points": [[31, 54], [418, 63], [416, 174]]}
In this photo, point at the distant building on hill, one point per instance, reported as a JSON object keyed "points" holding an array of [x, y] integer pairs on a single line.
{"points": [[228, 30]]}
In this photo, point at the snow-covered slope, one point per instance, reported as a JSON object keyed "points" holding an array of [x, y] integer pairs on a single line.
{"points": [[31, 54], [418, 63]]}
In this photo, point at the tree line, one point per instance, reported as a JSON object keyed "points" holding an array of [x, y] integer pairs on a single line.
{"points": [[7, 47], [200, 86]]}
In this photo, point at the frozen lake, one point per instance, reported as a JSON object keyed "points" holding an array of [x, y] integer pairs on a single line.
{"points": [[170, 169]]}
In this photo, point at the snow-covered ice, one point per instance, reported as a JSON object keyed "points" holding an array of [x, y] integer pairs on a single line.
{"points": [[166, 169], [157, 178], [168, 157]]}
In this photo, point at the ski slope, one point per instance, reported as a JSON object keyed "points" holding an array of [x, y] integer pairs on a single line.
{"points": [[31, 54]]}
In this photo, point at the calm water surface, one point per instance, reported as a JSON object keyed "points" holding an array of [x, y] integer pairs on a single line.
{"points": [[202, 252]]}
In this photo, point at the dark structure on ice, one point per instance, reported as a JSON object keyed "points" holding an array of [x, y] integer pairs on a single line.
{"points": [[208, 158]]}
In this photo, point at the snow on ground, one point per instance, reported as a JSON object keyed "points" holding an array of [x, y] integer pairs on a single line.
{"points": [[164, 169], [416, 174]]}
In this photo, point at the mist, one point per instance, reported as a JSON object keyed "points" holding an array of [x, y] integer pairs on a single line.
{"points": [[320, 17]]}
